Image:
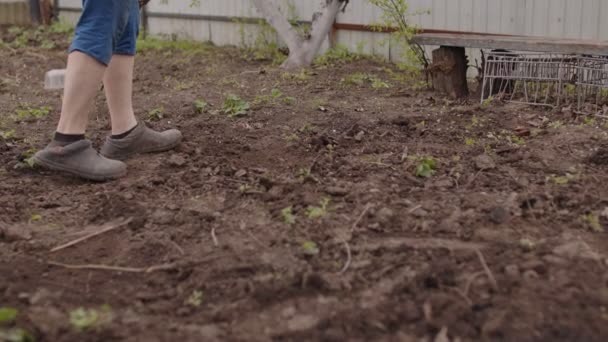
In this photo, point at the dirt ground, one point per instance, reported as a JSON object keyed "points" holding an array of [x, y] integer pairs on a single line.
{"points": [[506, 241]]}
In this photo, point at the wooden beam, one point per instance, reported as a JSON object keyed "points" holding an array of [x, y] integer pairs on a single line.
{"points": [[515, 43]]}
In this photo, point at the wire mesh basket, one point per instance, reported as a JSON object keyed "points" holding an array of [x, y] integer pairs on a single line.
{"points": [[546, 79]]}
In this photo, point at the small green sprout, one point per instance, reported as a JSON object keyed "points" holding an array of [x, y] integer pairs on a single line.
{"points": [[156, 114], [288, 216], [36, 217], [84, 319], [526, 244], [517, 140], [28, 113], [307, 127], [310, 248], [426, 167], [556, 124], [184, 86], [589, 121], [195, 299], [379, 84], [357, 78], [305, 174], [593, 221], [8, 315], [8, 135], [200, 106], [487, 102], [561, 180], [16, 335], [320, 211], [234, 106], [292, 137], [469, 141]]}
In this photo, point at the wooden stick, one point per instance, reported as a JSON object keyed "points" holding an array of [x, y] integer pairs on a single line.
{"points": [[155, 268], [106, 267], [108, 227]]}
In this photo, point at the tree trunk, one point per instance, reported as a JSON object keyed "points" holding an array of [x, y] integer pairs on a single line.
{"points": [[449, 71], [301, 51]]}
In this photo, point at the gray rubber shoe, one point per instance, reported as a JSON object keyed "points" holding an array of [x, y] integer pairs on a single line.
{"points": [[141, 140], [80, 159]]}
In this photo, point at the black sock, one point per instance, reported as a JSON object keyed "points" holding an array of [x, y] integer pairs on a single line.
{"points": [[66, 139], [123, 135]]}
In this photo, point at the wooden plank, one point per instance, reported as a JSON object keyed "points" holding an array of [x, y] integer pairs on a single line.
{"points": [[515, 43]]}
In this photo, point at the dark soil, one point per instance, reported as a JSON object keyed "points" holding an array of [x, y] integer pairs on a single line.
{"points": [[525, 195]]}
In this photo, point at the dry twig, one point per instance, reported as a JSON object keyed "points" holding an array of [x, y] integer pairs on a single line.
{"points": [[487, 269], [155, 268], [354, 226], [104, 229], [215, 242], [348, 258]]}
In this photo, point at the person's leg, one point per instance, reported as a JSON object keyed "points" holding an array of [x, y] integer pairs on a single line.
{"points": [[129, 137], [90, 52], [82, 79], [118, 85]]}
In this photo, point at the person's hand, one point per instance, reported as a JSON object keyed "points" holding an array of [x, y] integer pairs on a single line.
{"points": [[143, 3]]}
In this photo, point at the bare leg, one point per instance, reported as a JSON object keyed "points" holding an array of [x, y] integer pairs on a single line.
{"points": [[118, 84], [82, 79]]}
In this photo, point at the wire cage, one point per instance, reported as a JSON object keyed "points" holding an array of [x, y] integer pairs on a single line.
{"points": [[546, 79]]}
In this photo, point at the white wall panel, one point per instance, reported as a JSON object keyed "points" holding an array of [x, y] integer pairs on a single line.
{"points": [[583, 19]]}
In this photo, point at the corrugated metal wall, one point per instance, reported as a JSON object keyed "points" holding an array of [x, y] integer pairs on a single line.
{"points": [[584, 19]]}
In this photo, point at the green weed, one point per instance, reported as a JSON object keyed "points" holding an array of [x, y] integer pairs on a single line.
{"points": [[379, 84], [16, 335], [526, 244], [337, 55], [288, 216], [200, 106], [360, 79], [589, 121], [83, 319], [183, 86], [292, 137], [517, 140], [195, 299], [561, 180], [315, 212], [264, 46], [28, 113], [8, 315], [160, 44], [310, 248], [156, 114], [487, 102], [426, 167], [301, 76], [274, 97], [357, 78], [593, 221], [234, 106], [556, 124], [8, 135], [470, 141], [305, 174]]}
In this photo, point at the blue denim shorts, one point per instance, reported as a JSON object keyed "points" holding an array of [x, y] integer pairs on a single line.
{"points": [[107, 27]]}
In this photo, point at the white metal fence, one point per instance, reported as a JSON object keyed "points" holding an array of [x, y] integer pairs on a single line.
{"points": [[209, 19]]}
